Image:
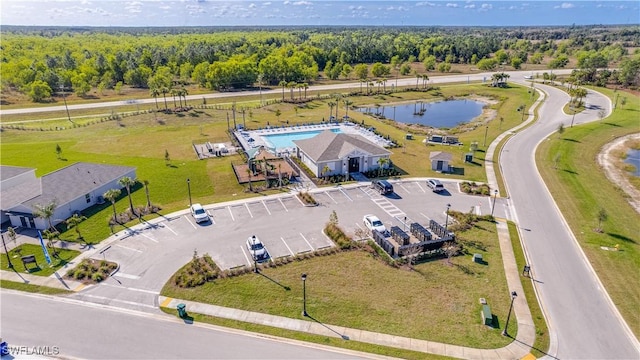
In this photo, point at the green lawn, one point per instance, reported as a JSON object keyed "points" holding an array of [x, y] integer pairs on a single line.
{"points": [[43, 269], [581, 189], [436, 301], [6, 284]]}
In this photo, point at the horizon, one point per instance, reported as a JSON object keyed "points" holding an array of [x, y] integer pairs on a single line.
{"points": [[304, 13]]}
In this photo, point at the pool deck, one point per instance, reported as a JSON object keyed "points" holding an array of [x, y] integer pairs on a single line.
{"points": [[254, 138]]}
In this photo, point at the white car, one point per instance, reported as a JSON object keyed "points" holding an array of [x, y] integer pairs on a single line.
{"points": [[256, 249], [198, 213], [373, 223]]}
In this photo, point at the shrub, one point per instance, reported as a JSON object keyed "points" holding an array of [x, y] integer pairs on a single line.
{"points": [[335, 233], [97, 277]]}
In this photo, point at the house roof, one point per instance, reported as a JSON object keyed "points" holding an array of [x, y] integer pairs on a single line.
{"points": [[328, 146], [8, 172], [440, 155], [75, 180], [15, 195]]}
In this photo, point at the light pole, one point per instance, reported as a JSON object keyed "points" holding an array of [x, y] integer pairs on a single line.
{"points": [[255, 262], [304, 295], [446, 222], [493, 206], [404, 224], [65, 102], [9, 265], [573, 116], [486, 130], [189, 189], [513, 297], [522, 107]]}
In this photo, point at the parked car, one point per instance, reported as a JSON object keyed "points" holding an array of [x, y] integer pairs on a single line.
{"points": [[198, 213], [382, 186], [435, 185], [373, 223], [256, 248]]}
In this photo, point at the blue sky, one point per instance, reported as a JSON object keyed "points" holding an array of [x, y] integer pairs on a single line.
{"points": [[319, 12]]}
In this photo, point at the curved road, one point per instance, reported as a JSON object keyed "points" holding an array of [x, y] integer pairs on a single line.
{"points": [[36, 320], [583, 322]]}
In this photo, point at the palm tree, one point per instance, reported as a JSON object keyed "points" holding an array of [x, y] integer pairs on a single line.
{"points": [[127, 183], [174, 92], [331, 104], [74, 222], [581, 93], [146, 190], [184, 94], [164, 92], [291, 85], [154, 92], [418, 77], [46, 212], [382, 162], [325, 170], [337, 97], [347, 103], [425, 80], [50, 236], [259, 80], [249, 173], [305, 86], [112, 195]]}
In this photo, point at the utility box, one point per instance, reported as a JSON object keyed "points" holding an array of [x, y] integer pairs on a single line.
{"points": [[485, 315], [477, 258], [468, 157], [182, 310]]}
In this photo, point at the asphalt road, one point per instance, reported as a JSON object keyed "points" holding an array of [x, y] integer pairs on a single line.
{"points": [[584, 323], [84, 330]]}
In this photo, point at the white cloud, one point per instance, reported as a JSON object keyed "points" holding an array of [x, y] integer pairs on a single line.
{"points": [[487, 6], [425, 3], [252, 6], [470, 6], [452, 5], [564, 6], [297, 3]]}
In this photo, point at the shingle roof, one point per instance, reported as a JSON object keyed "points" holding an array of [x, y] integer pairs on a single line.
{"points": [[7, 172], [75, 180], [328, 146], [440, 155]]}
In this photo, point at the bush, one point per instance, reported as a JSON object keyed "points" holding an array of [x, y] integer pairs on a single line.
{"points": [[97, 277], [198, 271], [335, 233]]}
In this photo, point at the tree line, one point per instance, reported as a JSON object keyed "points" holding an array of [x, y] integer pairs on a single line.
{"points": [[41, 61]]}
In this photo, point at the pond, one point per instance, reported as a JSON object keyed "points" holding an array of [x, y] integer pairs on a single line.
{"points": [[441, 114], [633, 158]]}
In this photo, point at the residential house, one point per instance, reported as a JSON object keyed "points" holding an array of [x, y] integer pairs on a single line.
{"points": [[440, 161]]}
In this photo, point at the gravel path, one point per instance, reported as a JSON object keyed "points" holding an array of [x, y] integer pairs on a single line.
{"points": [[615, 174]]}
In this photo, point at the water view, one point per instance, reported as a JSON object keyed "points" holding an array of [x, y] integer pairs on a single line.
{"points": [[633, 158], [441, 114]]}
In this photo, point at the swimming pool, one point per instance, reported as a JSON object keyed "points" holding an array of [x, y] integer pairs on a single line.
{"points": [[285, 140]]}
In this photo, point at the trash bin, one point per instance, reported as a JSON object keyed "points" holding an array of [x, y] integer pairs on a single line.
{"points": [[182, 310], [4, 348]]}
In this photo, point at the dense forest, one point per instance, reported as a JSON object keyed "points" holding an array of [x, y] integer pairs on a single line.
{"points": [[39, 61]]}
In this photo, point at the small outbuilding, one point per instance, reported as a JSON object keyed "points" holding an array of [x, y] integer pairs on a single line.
{"points": [[440, 161]]}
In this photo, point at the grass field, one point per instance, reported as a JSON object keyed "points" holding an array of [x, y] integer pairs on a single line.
{"points": [[43, 268], [141, 141], [581, 189], [436, 301]]}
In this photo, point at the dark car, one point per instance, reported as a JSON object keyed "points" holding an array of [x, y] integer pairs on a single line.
{"points": [[382, 186]]}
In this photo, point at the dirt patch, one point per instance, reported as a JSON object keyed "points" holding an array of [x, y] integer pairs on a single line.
{"points": [[614, 170]]}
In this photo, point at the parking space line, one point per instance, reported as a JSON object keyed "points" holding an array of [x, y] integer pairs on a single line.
{"points": [[423, 190], [405, 189], [305, 239], [247, 206], [232, 218], [285, 208], [330, 197], [245, 256], [265, 206], [285, 244], [298, 198], [129, 288], [170, 229], [345, 194], [150, 238], [128, 248], [189, 221], [210, 217], [425, 216]]}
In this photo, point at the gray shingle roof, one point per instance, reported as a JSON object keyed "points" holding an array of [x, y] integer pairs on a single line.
{"points": [[7, 172], [328, 146], [440, 155], [75, 180]]}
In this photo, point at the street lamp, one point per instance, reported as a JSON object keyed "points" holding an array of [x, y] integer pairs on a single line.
{"points": [[255, 262], [446, 222], [493, 206], [513, 297], [9, 265], [304, 295], [189, 189], [573, 116], [404, 224], [486, 130], [65, 102]]}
